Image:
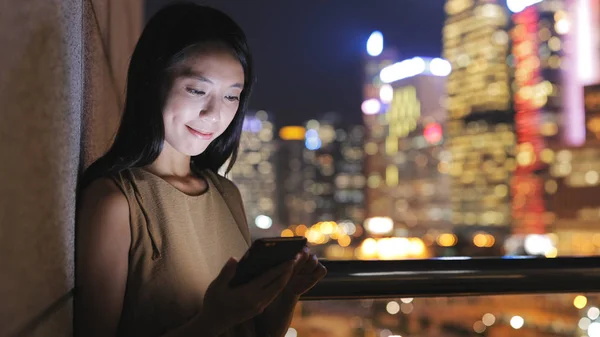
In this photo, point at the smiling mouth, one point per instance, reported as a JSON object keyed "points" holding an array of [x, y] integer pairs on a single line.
{"points": [[200, 134]]}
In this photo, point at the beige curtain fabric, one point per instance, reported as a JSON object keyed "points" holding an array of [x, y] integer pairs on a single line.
{"points": [[62, 77]]}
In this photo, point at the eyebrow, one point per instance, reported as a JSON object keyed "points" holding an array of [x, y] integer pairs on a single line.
{"points": [[201, 78]]}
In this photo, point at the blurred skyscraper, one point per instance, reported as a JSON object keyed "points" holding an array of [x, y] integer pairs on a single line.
{"points": [[294, 208], [406, 164], [573, 182], [481, 136], [321, 181], [574, 186], [349, 179], [254, 174]]}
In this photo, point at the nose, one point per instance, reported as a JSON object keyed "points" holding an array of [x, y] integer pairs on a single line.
{"points": [[212, 111]]}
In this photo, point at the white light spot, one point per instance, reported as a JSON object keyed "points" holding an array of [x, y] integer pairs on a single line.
{"points": [[291, 333], [594, 329], [263, 222], [386, 93], [371, 106], [517, 6], [517, 322], [488, 319], [440, 67], [375, 43], [393, 307], [584, 323]]}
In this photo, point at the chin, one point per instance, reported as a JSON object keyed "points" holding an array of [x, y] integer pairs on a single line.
{"points": [[195, 150]]}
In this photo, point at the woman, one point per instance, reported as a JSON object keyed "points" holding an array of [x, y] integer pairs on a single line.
{"points": [[157, 227]]}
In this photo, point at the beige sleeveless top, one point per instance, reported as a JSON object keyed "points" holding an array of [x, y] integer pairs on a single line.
{"points": [[179, 243]]}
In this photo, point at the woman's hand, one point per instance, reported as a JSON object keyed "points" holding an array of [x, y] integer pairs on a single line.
{"points": [[225, 306], [307, 272]]}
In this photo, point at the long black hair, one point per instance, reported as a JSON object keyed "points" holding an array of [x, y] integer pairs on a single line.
{"points": [[169, 37]]}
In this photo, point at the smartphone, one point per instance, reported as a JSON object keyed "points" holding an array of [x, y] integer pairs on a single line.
{"points": [[265, 254]]}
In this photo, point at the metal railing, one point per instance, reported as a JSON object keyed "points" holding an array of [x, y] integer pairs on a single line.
{"points": [[457, 277]]}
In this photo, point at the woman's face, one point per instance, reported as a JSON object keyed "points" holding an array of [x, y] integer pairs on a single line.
{"points": [[203, 100]]}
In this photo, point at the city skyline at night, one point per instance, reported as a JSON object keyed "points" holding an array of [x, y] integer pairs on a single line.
{"points": [[454, 144]]}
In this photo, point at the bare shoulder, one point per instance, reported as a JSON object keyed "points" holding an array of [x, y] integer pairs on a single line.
{"points": [[105, 192], [102, 200]]}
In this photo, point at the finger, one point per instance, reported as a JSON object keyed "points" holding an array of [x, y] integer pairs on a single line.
{"points": [[227, 272], [310, 264], [271, 275], [321, 271], [301, 259], [276, 286]]}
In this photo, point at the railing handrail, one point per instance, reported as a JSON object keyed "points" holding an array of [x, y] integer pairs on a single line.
{"points": [[441, 277]]}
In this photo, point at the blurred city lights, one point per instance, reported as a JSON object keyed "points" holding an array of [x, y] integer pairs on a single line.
{"points": [[447, 240], [517, 6], [385, 333], [440, 67], [403, 69], [488, 319], [580, 301], [291, 333], [386, 93], [393, 307], [593, 313], [344, 240], [536, 244], [413, 67], [407, 308], [379, 225], [479, 327], [517, 322], [263, 222], [292, 133], [371, 106], [312, 142], [375, 43], [369, 248], [584, 323], [594, 330], [433, 133]]}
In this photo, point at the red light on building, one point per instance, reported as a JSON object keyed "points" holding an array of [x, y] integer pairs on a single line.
{"points": [[433, 133], [528, 204]]}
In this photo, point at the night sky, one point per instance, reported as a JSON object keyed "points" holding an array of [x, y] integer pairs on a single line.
{"points": [[307, 54]]}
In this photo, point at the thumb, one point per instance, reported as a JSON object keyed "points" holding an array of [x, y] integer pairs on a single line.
{"points": [[228, 270]]}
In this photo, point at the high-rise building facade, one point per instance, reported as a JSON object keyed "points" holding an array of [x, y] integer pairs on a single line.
{"points": [[481, 135], [574, 185], [254, 174], [349, 178], [334, 169], [321, 183], [294, 206], [406, 164]]}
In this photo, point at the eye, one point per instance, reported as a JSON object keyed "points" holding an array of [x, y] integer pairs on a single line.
{"points": [[195, 92], [232, 98]]}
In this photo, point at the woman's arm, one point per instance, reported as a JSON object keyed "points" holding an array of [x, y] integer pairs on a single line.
{"points": [[101, 259], [102, 250]]}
